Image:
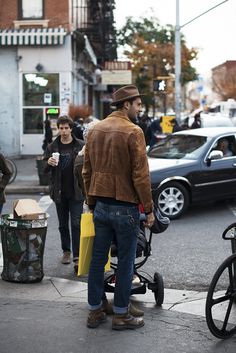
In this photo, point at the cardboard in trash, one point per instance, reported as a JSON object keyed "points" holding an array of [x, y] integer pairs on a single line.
{"points": [[27, 209]]}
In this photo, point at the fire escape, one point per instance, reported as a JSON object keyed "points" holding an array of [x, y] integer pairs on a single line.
{"points": [[96, 21]]}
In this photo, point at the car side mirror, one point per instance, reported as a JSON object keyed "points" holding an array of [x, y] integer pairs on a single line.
{"points": [[214, 155]]}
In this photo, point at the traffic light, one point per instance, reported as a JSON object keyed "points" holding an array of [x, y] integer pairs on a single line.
{"points": [[159, 85]]}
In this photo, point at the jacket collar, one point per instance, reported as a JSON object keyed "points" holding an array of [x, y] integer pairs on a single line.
{"points": [[119, 114], [75, 142]]}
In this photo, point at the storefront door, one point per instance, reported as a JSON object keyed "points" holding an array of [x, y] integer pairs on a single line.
{"points": [[40, 92]]}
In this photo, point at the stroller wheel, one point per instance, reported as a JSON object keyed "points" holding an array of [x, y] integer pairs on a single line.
{"points": [[158, 289]]}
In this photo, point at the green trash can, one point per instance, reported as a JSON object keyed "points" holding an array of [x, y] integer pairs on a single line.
{"points": [[43, 177], [23, 243]]}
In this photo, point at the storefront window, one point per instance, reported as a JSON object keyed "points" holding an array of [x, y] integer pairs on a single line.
{"points": [[31, 9], [33, 121], [40, 89]]}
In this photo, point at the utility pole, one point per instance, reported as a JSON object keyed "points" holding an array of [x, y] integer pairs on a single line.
{"points": [[178, 55], [177, 65]]}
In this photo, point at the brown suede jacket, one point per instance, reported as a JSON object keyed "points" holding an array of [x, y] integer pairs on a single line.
{"points": [[115, 162]]}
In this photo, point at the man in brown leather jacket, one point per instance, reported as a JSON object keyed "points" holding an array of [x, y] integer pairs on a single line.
{"points": [[116, 179]]}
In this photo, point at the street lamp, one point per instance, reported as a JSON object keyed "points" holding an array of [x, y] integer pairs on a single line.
{"points": [[178, 55]]}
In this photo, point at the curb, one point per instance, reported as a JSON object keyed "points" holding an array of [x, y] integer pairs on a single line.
{"points": [[17, 189]]}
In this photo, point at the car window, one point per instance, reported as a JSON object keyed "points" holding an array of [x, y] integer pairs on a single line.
{"points": [[226, 144], [179, 147]]}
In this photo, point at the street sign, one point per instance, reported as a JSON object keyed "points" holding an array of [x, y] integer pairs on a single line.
{"points": [[116, 77]]}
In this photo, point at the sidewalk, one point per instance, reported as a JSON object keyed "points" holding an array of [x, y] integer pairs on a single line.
{"points": [[50, 316], [27, 180]]}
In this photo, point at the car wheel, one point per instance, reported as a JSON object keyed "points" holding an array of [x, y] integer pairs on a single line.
{"points": [[172, 200]]}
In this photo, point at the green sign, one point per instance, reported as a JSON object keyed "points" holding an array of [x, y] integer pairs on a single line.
{"points": [[52, 111]]}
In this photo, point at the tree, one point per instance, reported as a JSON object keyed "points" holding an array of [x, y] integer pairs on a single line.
{"points": [[150, 48]]}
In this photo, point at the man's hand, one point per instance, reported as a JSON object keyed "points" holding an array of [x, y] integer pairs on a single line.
{"points": [[52, 162], [150, 220]]}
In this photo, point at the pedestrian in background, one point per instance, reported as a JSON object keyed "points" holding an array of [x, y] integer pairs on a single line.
{"points": [[47, 134], [154, 129], [5, 177], [197, 121], [79, 160], [144, 121], [116, 179], [64, 190]]}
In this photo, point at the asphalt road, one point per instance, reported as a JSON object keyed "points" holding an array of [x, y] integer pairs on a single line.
{"points": [[186, 254]]}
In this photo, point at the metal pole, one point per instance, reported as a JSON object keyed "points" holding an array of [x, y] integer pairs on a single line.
{"points": [[177, 65], [178, 55]]}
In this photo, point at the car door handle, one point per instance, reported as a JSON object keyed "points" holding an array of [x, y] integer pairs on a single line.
{"points": [[234, 164]]}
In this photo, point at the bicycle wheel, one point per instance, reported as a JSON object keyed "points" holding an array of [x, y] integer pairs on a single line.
{"points": [[220, 303], [12, 167]]}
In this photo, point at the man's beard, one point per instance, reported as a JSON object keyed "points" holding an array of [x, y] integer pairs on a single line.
{"points": [[133, 118]]}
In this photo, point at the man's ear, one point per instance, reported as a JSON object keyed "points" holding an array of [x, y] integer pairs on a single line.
{"points": [[126, 105]]}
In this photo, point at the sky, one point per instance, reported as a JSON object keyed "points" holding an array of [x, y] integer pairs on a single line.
{"points": [[214, 34]]}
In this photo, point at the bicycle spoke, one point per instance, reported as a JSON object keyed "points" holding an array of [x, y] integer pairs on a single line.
{"points": [[231, 281], [221, 299], [227, 315]]}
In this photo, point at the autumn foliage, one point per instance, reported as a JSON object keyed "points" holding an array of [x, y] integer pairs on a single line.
{"points": [[151, 50], [79, 112]]}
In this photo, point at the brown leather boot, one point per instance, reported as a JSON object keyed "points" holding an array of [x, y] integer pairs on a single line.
{"points": [[133, 310], [95, 318], [126, 322]]}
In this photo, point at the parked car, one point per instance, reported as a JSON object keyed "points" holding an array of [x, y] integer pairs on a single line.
{"points": [[187, 167]]}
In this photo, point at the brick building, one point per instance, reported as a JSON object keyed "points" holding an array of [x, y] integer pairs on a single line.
{"points": [[224, 80], [49, 55]]}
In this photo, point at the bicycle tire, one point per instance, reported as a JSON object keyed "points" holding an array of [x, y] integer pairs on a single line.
{"points": [[229, 295], [12, 167]]}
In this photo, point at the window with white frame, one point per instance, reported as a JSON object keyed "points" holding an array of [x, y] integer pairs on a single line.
{"points": [[31, 9]]}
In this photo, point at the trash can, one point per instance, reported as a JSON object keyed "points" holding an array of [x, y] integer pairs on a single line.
{"points": [[23, 243], [43, 177]]}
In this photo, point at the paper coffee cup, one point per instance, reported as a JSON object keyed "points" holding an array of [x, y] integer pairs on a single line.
{"points": [[56, 156]]}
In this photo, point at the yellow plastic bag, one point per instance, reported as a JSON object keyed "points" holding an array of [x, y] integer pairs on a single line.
{"points": [[87, 235], [87, 225]]}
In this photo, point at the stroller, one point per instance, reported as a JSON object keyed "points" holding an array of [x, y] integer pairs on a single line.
{"points": [[143, 251]]}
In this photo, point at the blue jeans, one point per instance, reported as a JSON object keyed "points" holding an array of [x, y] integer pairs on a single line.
{"points": [[73, 208], [123, 223]]}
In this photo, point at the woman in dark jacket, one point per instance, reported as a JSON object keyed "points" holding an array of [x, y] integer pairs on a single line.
{"points": [[5, 177], [47, 135]]}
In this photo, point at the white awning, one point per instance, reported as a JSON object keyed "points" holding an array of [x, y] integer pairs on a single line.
{"points": [[32, 36]]}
